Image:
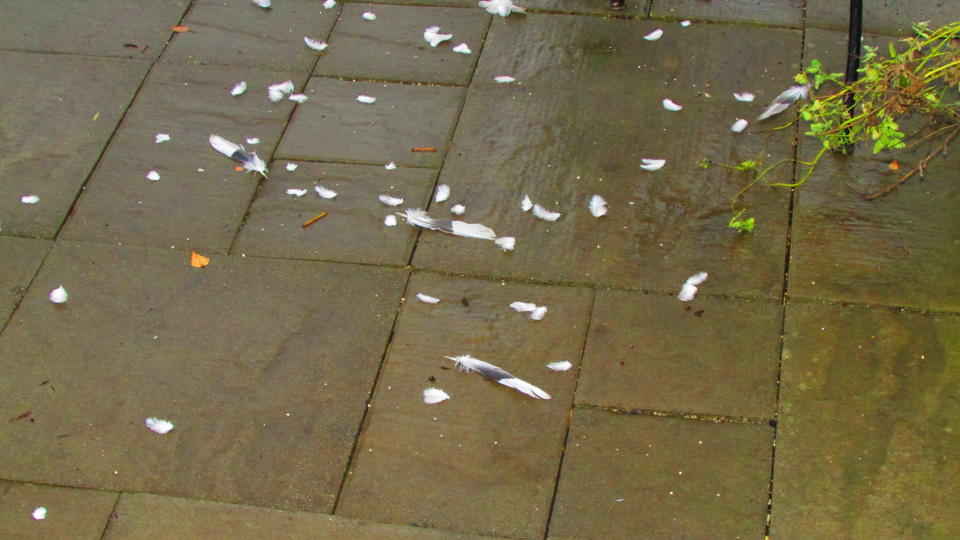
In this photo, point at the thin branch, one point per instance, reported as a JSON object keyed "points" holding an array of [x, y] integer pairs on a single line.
{"points": [[919, 167]]}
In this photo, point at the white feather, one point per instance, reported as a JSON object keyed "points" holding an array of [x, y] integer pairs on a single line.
{"points": [[253, 140], [153, 175], [523, 307], [291, 166], [157, 425], [296, 192], [299, 98], [442, 194], [34, 199], [652, 164], [545, 214], [500, 7], [559, 366], [369, 16], [539, 313], [419, 218], [526, 204], [597, 206], [468, 364], [784, 100], [432, 396], [253, 163], [458, 209], [39, 513], [462, 48], [506, 242], [390, 201], [472, 230], [329, 4], [274, 95], [224, 146], [390, 166], [743, 96], [59, 295], [161, 138], [698, 278], [276, 91], [366, 99], [504, 79], [687, 292], [427, 299], [433, 36], [655, 35], [238, 88], [670, 105], [390, 220], [325, 193], [262, 3], [685, 23], [739, 125], [315, 44]]}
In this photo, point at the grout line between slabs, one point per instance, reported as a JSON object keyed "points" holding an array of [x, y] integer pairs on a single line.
{"points": [[682, 415], [110, 516]]}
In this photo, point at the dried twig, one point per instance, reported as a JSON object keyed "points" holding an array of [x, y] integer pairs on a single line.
{"points": [[918, 168]]}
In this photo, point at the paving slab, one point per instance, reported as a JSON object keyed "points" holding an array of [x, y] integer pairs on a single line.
{"points": [[188, 207], [560, 136], [353, 229], [58, 113], [597, 7], [892, 17], [71, 513], [485, 461], [21, 258], [781, 12], [711, 355], [239, 33], [152, 517], [867, 440], [131, 29], [649, 477], [334, 126], [898, 250], [392, 47], [263, 366]]}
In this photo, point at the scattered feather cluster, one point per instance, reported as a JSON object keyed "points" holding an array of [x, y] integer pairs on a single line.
{"points": [[442, 194], [157, 425], [655, 35], [597, 206], [325, 193], [30, 199], [784, 100], [536, 312], [670, 105], [251, 162], [547, 215], [276, 91], [419, 218], [689, 289], [432, 396], [390, 201], [652, 164], [559, 366], [59, 295], [433, 36], [427, 299], [500, 7], [469, 364]]}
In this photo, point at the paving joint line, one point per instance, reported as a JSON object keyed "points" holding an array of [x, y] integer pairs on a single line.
{"points": [[683, 415], [110, 516]]}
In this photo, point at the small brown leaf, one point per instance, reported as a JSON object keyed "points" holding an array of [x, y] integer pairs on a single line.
{"points": [[894, 165], [179, 29], [197, 260]]}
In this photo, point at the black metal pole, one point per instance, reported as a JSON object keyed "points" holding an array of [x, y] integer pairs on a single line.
{"points": [[854, 36]]}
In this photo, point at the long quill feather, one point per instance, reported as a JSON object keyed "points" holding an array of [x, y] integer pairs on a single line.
{"points": [[468, 364], [250, 161], [419, 218]]}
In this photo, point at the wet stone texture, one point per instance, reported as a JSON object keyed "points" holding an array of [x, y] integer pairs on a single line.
{"points": [[485, 461], [264, 367], [150, 516], [867, 443], [597, 7], [352, 231], [239, 33], [71, 513], [187, 207], [647, 477], [58, 113], [779, 12], [21, 258], [892, 17], [392, 47], [897, 250], [334, 126], [131, 28], [710, 355], [560, 136]]}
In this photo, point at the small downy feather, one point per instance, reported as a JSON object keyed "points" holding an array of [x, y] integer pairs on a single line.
{"points": [[390, 220], [276, 91], [157, 425], [506, 242], [366, 99], [160, 138], [502, 79], [739, 125], [544, 214], [784, 100], [390, 201], [296, 192], [689, 288], [34, 199], [432, 396], [597, 206], [462, 48], [39, 513], [559, 366], [433, 36], [329, 4], [655, 35], [291, 166], [419, 218], [652, 164], [526, 204], [500, 7], [325, 193], [315, 44], [670, 105], [427, 299], [59, 295], [523, 307], [458, 209], [539, 313], [265, 4], [238, 88], [298, 98], [743, 96], [369, 16], [153, 175], [442, 194], [390, 166], [468, 364]]}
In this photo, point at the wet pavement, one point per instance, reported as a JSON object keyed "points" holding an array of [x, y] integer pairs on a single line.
{"points": [[810, 390]]}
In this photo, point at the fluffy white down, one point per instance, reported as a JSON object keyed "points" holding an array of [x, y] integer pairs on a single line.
{"points": [[432, 396]]}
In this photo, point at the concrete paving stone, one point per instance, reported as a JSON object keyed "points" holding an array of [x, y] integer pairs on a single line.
{"points": [[352, 231], [779, 12], [21, 258], [71, 513], [484, 462], [392, 47], [239, 33], [187, 207], [561, 136], [156, 517], [131, 29], [892, 17], [263, 366], [898, 250], [58, 113], [867, 440], [649, 477], [710, 355], [600, 7], [334, 126]]}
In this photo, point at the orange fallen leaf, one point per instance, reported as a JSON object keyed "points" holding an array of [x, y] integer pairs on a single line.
{"points": [[179, 29], [238, 168], [894, 165], [197, 260]]}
